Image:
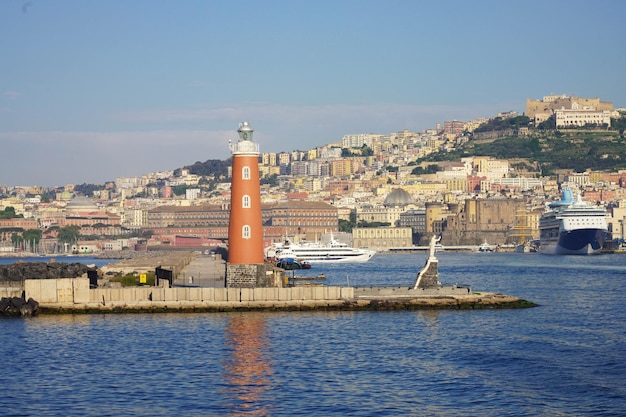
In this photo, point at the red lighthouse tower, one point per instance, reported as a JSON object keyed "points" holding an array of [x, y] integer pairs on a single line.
{"points": [[245, 230]]}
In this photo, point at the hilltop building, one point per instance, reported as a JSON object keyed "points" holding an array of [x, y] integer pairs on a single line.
{"points": [[572, 110]]}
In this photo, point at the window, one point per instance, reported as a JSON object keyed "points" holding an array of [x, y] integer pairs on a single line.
{"points": [[245, 231], [245, 173], [245, 201]]}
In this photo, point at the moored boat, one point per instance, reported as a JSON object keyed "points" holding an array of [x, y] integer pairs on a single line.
{"points": [[316, 252], [292, 264], [485, 247], [572, 227]]}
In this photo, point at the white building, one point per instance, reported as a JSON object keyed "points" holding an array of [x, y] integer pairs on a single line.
{"points": [[192, 193], [356, 141], [582, 117]]}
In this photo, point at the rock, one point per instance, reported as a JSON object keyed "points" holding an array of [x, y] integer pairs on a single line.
{"points": [[18, 307], [20, 271]]}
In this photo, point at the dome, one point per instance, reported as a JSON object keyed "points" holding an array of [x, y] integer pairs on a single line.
{"points": [[398, 197], [66, 196], [81, 204]]}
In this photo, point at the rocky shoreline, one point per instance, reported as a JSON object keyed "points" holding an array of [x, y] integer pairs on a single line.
{"points": [[20, 270], [18, 307]]}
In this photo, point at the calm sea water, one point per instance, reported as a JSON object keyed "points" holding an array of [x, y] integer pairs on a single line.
{"points": [[563, 358]]}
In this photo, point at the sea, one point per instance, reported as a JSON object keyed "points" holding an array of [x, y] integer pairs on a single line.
{"points": [[565, 357]]}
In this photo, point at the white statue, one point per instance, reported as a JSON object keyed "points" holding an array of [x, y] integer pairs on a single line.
{"points": [[433, 243]]}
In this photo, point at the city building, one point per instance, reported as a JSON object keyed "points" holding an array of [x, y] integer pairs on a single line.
{"points": [[541, 110], [482, 219], [382, 237]]}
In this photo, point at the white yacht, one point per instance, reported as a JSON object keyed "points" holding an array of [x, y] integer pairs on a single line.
{"points": [[316, 252]]}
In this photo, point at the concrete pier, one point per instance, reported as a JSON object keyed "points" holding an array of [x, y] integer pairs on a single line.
{"points": [[206, 292], [73, 295]]}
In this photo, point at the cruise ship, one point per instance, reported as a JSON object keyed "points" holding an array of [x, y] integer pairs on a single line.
{"points": [[572, 227], [316, 252]]}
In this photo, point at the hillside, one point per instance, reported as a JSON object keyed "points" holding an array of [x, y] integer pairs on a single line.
{"points": [[577, 150]]}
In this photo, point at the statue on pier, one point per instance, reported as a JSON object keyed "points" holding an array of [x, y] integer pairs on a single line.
{"points": [[429, 275], [433, 242]]}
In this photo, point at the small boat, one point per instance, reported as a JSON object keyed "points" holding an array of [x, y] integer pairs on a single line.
{"points": [[485, 247], [292, 264]]}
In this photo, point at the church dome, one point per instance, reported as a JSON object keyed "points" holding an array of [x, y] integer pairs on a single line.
{"points": [[81, 204], [66, 196], [398, 197]]}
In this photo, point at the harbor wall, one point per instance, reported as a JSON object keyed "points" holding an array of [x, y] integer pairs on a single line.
{"points": [[11, 288], [73, 295]]}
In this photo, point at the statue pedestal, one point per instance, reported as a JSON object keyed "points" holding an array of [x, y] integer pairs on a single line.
{"points": [[429, 275]]}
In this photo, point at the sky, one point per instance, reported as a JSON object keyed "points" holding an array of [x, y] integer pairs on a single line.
{"points": [[94, 90]]}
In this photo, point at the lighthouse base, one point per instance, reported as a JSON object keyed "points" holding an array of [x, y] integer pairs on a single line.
{"points": [[251, 276]]}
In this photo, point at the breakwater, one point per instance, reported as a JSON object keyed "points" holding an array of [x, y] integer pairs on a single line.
{"points": [[75, 296]]}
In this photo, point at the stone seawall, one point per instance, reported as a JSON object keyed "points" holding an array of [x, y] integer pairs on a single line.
{"points": [[74, 296]]}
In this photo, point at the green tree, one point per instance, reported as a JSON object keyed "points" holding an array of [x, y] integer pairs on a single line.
{"points": [[179, 189], [348, 225], [68, 234], [32, 238], [8, 213], [17, 240], [88, 189], [271, 180]]}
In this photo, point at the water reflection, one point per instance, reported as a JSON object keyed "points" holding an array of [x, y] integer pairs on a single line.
{"points": [[247, 367]]}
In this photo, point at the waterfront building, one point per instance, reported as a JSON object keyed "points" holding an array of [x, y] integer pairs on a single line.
{"points": [[15, 225], [92, 220], [415, 219], [306, 219], [382, 237], [190, 216], [396, 202], [482, 219]]}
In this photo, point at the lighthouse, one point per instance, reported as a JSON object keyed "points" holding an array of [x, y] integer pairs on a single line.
{"points": [[245, 229]]}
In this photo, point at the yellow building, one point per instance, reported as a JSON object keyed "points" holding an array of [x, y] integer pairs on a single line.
{"points": [[382, 237]]}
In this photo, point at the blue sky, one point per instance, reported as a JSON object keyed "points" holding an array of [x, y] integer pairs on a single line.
{"points": [[92, 90]]}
